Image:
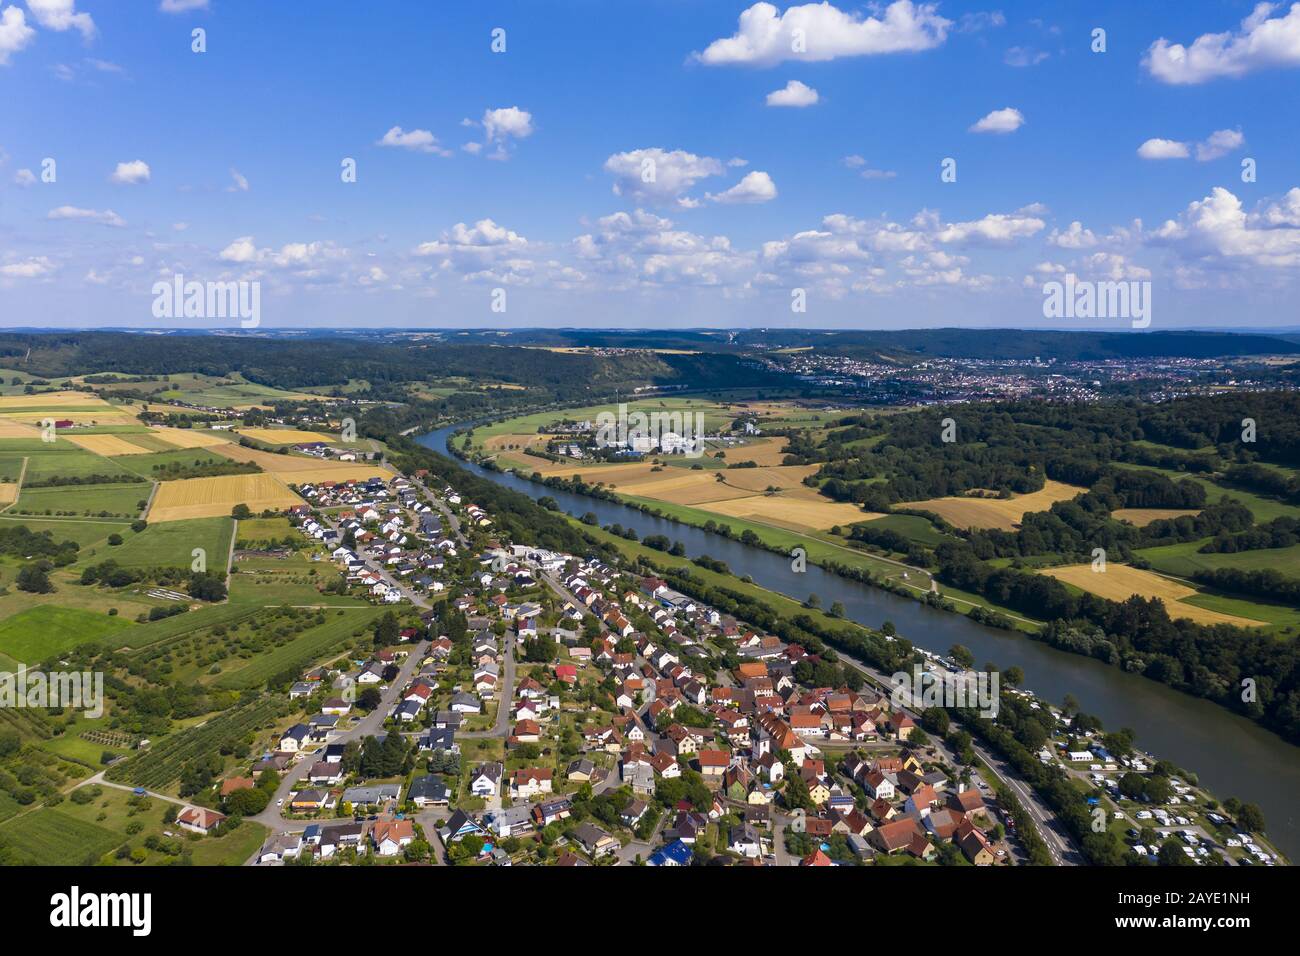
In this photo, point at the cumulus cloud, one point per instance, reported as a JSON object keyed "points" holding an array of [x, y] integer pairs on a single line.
{"points": [[793, 93], [304, 259], [1074, 237], [33, 267], [659, 177], [642, 249], [755, 187], [484, 251], [25, 178], [1006, 120], [509, 122], [1220, 143], [815, 32], [238, 183], [1163, 149], [62, 15], [416, 140], [1218, 228], [865, 171], [995, 228], [1263, 41], [182, 6], [104, 217], [15, 34], [131, 173]]}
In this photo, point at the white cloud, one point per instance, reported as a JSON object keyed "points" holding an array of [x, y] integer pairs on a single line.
{"points": [[242, 249], [1006, 120], [182, 6], [507, 123], [131, 173], [15, 34], [1021, 56], [486, 252], [865, 171], [1075, 237], [793, 94], [1218, 228], [816, 32], [60, 15], [1163, 149], [1262, 42], [239, 182], [105, 217], [658, 176], [755, 187], [996, 228], [34, 267], [1219, 143], [25, 178], [418, 140]]}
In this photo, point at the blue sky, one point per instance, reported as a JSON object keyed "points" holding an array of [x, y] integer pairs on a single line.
{"points": [[523, 170]]}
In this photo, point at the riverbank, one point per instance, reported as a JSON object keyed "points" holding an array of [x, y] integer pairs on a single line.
{"points": [[1231, 754]]}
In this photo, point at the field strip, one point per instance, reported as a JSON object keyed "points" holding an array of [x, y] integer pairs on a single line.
{"points": [[18, 486]]}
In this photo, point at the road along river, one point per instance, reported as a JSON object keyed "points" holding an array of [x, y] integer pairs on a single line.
{"points": [[1231, 755]]}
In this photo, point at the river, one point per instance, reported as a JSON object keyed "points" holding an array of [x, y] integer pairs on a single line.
{"points": [[1232, 756]]}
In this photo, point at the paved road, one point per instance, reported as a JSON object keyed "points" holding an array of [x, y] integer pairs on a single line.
{"points": [[1059, 846], [367, 726], [501, 727]]}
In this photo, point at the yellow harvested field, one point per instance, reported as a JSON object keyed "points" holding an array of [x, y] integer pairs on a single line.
{"points": [[191, 437], [213, 497], [796, 514], [526, 440], [297, 469], [760, 479], [8, 492], [110, 445], [688, 488], [765, 451], [1004, 514], [52, 400], [1141, 517], [1119, 582], [285, 436], [12, 429]]}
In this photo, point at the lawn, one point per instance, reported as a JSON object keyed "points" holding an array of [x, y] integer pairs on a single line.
{"points": [[107, 500], [49, 837], [38, 632], [1185, 560], [86, 533], [171, 544]]}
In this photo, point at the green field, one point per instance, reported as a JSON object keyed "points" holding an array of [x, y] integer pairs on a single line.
{"points": [[146, 635], [309, 646], [38, 632], [1262, 507], [913, 527], [1184, 560], [49, 837], [170, 544], [85, 532], [62, 459], [107, 500]]}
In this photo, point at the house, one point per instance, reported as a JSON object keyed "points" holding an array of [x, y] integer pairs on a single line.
{"points": [[530, 782], [676, 853], [486, 780], [283, 846], [390, 836], [232, 784], [373, 795], [581, 770], [199, 819], [744, 839], [713, 763], [594, 840], [551, 811], [295, 738], [429, 790], [460, 825], [463, 703]]}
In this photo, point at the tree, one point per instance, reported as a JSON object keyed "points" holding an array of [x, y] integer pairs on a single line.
{"points": [[387, 630], [241, 512], [207, 586], [962, 655], [114, 540], [35, 578]]}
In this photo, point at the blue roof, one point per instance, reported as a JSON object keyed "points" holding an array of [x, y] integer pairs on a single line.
{"points": [[675, 852]]}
